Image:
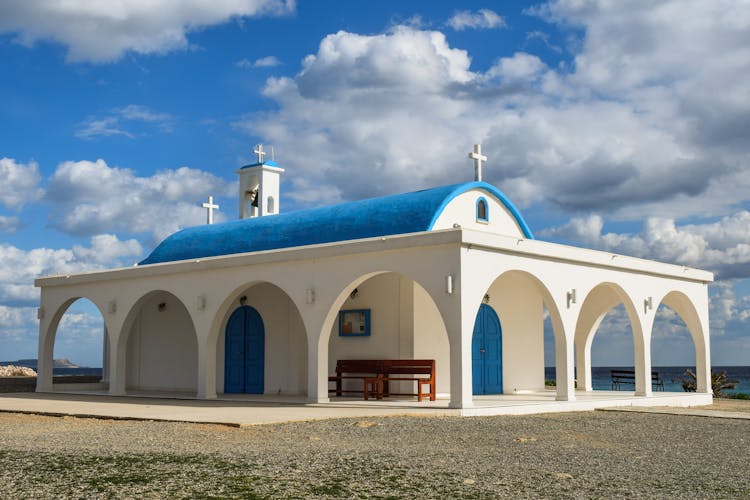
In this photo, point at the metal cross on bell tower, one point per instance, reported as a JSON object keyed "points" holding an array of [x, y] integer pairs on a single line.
{"points": [[259, 151], [478, 158]]}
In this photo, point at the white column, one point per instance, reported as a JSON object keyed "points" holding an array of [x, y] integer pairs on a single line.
{"points": [[583, 365], [206, 369], [642, 352], [460, 326], [44, 356], [564, 363]]}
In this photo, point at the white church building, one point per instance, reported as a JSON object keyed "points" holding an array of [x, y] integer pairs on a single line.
{"points": [[268, 303]]}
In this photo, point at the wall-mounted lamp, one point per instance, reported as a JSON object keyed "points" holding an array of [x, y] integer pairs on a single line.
{"points": [[647, 305], [40, 313], [201, 303], [243, 300], [449, 284], [310, 296], [571, 297], [161, 306], [354, 293], [112, 308], [486, 298]]}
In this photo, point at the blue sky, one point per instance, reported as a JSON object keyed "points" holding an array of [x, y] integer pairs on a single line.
{"points": [[614, 125]]}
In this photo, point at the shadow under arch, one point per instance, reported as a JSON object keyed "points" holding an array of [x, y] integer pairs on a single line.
{"points": [[45, 364], [285, 356], [519, 297], [423, 307], [684, 307], [164, 329], [599, 301]]}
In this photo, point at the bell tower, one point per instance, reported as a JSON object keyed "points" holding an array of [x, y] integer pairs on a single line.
{"points": [[259, 187]]}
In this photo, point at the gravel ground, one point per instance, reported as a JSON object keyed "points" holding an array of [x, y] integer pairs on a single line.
{"points": [[575, 455]]}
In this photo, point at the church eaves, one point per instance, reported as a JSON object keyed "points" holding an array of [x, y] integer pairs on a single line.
{"points": [[389, 215]]}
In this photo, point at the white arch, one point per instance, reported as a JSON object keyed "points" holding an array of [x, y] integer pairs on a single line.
{"points": [[598, 302], [686, 309], [505, 311], [119, 340], [332, 308], [218, 326], [45, 362]]}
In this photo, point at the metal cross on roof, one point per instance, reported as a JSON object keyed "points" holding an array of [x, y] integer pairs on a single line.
{"points": [[210, 207], [478, 158], [259, 151]]}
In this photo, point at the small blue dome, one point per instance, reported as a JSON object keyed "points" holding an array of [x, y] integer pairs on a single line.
{"points": [[389, 215]]}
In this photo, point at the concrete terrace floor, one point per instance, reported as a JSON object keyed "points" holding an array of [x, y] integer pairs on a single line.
{"points": [[247, 410]]}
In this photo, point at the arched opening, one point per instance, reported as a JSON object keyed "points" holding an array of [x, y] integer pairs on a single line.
{"points": [[611, 348], [271, 205], [161, 352], [261, 340], [672, 348], [404, 323], [80, 344], [607, 337], [678, 344], [524, 306]]}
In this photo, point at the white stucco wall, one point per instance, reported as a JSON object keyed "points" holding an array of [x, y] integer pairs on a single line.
{"points": [[285, 368], [162, 351], [462, 210]]}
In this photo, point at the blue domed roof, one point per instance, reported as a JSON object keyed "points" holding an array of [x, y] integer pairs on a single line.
{"points": [[389, 215]]}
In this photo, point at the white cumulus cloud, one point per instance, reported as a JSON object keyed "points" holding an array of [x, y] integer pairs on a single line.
{"points": [[92, 197], [722, 246], [19, 268], [630, 128], [19, 183], [104, 31]]}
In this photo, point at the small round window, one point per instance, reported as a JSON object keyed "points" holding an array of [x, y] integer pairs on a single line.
{"points": [[482, 210]]}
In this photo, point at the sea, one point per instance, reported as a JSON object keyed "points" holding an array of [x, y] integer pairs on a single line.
{"points": [[601, 378]]}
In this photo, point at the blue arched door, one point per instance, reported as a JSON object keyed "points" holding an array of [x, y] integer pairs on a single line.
{"points": [[244, 352], [487, 353]]}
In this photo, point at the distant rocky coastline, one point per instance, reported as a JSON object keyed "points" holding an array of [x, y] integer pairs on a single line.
{"points": [[32, 363]]}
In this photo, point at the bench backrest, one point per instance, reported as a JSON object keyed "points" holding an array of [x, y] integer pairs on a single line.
{"points": [[408, 366], [390, 366], [357, 366], [630, 375]]}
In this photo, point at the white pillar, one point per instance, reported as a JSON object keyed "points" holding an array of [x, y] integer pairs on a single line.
{"points": [[564, 366], [583, 365], [642, 352], [459, 323], [206, 369], [44, 357]]}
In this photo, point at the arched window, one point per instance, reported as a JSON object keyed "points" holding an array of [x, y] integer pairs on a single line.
{"points": [[483, 214], [271, 205]]}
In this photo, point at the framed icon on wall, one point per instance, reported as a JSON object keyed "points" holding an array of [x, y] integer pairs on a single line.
{"points": [[354, 323]]}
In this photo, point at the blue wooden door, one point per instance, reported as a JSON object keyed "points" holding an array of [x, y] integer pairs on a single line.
{"points": [[244, 360], [487, 353]]}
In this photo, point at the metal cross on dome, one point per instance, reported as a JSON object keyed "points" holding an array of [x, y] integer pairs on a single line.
{"points": [[478, 158], [259, 151], [210, 207]]}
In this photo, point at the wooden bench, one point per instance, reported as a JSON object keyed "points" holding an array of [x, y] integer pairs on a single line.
{"points": [[627, 377], [353, 369], [376, 375], [421, 371]]}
